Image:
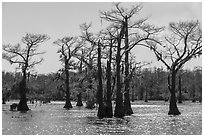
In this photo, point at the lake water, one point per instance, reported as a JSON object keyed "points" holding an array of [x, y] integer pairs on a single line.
{"points": [[148, 119]]}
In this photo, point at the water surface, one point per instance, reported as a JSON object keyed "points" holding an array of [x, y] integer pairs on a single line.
{"points": [[148, 119]]}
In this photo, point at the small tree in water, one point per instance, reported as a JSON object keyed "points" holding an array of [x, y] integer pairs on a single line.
{"points": [[23, 57], [68, 48], [183, 44]]}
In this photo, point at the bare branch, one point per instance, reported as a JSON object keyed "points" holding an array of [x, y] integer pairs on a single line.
{"points": [[15, 50], [35, 62], [23, 56], [34, 39], [184, 44]]}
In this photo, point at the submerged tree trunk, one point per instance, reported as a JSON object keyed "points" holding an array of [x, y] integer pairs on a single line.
{"points": [[173, 109], [127, 105], [68, 104], [22, 106], [101, 109]]}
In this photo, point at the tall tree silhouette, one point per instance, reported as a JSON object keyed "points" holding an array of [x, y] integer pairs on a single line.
{"points": [[134, 33], [23, 56], [68, 49], [183, 43]]}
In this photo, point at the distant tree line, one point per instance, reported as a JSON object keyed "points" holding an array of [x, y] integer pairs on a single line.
{"points": [[146, 83]]}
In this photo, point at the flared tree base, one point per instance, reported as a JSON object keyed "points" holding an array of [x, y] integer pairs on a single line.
{"points": [[22, 106], [129, 112], [109, 111], [173, 109], [105, 111], [101, 112], [119, 112], [79, 103], [67, 105], [174, 112], [127, 109], [3, 101]]}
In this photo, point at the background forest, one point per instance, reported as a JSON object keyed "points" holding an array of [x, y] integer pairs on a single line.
{"points": [[146, 83]]}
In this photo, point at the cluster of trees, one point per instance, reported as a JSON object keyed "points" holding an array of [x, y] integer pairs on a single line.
{"points": [[105, 57]]}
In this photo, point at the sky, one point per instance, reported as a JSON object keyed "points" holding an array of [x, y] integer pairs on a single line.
{"points": [[57, 19]]}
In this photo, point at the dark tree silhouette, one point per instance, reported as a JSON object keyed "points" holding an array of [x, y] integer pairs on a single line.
{"points": [[108, 83], [79, 98], [23, 57], [122, 17], [108, 37], [183, 44], [119, 109], [68, 49], [101, 111]]}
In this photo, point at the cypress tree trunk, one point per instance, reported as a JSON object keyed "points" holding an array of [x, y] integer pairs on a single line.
{"points": [[109, 108], [119, 112], [68, 104], [127, 105], [173, 109], [119, 109], [101, 109], [3, 100], [22, 106]]}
